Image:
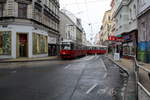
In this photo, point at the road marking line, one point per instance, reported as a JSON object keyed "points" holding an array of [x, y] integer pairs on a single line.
{"points": [[90, 58], [102, 63], [67, 66], [14, 71], [94, 86], [103, 91], [105, 75]]}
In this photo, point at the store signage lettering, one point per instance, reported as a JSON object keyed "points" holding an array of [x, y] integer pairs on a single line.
{"points": [[114, 38], [52, 40], [126, 37]]}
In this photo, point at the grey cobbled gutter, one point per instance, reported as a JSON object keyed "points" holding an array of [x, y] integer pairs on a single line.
{"points": [[126, 77]]}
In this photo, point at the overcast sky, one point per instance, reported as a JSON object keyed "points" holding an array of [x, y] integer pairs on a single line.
{"points": [[90, 11]]}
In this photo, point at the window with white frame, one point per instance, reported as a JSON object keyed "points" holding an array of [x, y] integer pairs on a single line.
{"points": [[134, 7], [130, 16], [22, 10], [144, 30]]}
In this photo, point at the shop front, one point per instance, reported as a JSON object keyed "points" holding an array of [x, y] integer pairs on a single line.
{"points": [[116, 44], [53, 46], [23, 41], [129, 44]]}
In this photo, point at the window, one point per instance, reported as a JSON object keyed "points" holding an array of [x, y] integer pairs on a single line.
{"points": [[51, 5], [130, 14], [120, 16], [40, 44], [1, 10], [109, 18], [134, 7], [1, 38], [22, 10], [144, 31], [37, 12], [5, 43]]}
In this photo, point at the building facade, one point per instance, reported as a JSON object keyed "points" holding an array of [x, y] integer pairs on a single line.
{"points": [[144, 30], [97, 39], [126, 26], [70, 27], [27, 27], [67, 28], [84, 40], [105, 30]]}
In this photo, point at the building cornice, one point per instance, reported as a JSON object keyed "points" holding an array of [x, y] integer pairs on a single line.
{"points": [[22, 23], [143, 12], [120, 6]]}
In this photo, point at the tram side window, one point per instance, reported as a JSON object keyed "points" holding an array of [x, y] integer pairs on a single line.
{"points": [[72, 46], [66, 47]]}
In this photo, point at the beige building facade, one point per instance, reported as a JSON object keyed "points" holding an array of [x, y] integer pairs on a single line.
{"points": [[105, 30]]}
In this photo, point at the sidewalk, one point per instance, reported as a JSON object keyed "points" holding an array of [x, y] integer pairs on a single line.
{"points": [[29, 59], [131, 87]]}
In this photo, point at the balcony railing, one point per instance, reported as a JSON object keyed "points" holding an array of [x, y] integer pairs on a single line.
{"points": [[142, 81]]}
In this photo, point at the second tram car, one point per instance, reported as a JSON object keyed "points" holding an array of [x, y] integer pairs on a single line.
{"points": [[97, 49]]}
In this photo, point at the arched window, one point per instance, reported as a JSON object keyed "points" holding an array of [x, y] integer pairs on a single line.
{"points": [[22, 10], [130, 16], [135, 13]]}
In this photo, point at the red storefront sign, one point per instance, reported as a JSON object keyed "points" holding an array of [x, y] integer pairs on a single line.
{"points": [[114, 38], [22, 38]]}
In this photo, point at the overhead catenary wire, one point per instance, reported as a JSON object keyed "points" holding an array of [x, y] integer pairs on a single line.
{"points": [[86, 4], [81, 3]]}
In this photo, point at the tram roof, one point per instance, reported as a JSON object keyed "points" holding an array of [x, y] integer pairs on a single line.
{"points": [[96, 46], [68, 41]]}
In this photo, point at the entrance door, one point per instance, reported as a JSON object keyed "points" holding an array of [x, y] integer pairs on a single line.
{"points": [[23, 47]]}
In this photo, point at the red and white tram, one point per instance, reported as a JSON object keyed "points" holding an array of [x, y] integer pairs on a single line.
{"points": [[70, 49]]}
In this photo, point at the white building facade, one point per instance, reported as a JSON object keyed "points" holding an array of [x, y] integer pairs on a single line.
{"points": [[125, 16], [67, 28], [105, 30], [70, 27], [25, 27]]}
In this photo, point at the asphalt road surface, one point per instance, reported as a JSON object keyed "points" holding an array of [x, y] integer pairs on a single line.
{"points": [[87, 78]]}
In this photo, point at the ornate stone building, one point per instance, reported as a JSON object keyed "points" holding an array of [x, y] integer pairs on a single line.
{"points": [[70, 27], [27, 27], [105, 30], [125, 12]]}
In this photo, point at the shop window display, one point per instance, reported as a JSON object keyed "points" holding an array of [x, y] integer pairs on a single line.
{"points": [[5, 43], [128, 49], [39, 44]]}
